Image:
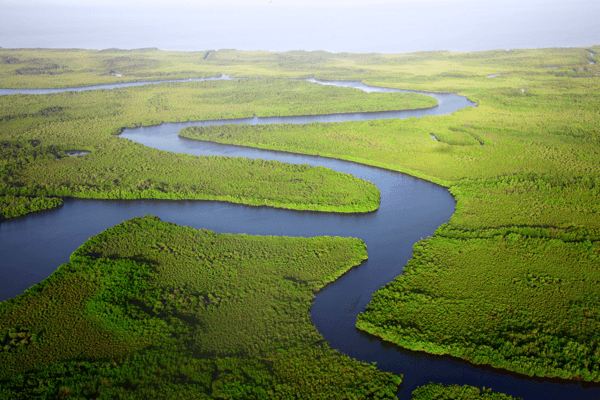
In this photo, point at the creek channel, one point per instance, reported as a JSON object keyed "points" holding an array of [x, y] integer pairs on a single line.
{"points": [[410, 209]]}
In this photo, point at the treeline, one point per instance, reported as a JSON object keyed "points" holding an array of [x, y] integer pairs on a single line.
{"points": [[437, 391], [136, 172], [17, 206], [152, 309]]}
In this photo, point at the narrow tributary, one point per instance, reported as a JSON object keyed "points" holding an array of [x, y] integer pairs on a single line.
{"points": [[108, 86], [410, 209]]}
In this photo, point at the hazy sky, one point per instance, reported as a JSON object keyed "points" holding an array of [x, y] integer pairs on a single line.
{"points": [[195, 3], [332, 25]]}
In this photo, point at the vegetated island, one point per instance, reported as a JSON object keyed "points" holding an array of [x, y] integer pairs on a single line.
{"points": [[532, 187], [150, 309]]}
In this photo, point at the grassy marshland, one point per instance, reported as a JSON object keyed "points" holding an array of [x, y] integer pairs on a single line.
{"points": [[434, 70], [149, 309], [527, 211], [35, 130]]}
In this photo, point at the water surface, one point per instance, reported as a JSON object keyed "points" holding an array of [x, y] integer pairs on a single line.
{"points": [[108, 86]]}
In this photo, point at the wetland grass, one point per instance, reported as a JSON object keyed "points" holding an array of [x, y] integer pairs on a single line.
{"points": [[527, 211]]}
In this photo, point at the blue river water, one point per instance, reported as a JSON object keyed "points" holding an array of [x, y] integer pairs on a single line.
{"points": [[410, 209]]}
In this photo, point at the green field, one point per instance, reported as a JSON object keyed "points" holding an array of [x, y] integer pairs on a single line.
{"points": [[520, 254]]}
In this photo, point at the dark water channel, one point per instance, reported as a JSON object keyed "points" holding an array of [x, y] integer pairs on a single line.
{"points": [[31, 248]]}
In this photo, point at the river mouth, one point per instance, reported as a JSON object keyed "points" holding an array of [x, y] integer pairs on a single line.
{"points": [[410, 209]]}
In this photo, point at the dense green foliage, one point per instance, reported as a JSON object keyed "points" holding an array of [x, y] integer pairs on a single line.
{"points": [[523, 165], [35, 130], [149, 309], [14, 156], [16, 206], [526, 222], [436, 391], [526, 304], [551, 130], [47, 68], [239, 180]]}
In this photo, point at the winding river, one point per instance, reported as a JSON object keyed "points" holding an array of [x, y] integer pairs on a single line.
{"points": [[410, 209]]}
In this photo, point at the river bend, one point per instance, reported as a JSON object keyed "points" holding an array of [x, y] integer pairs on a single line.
{"points": [[410, 209]]}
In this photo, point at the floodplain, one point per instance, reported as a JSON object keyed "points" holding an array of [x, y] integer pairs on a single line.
{"points": [[523, 167]]}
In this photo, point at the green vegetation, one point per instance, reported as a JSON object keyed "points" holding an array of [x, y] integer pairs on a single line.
{"points": [[521, 252], [16, 206], [428, 70], [120, 169], [547, 133], [149, 309], [436, 391], [107, 175], [533, 181], [14, 156], [525, 304]]}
